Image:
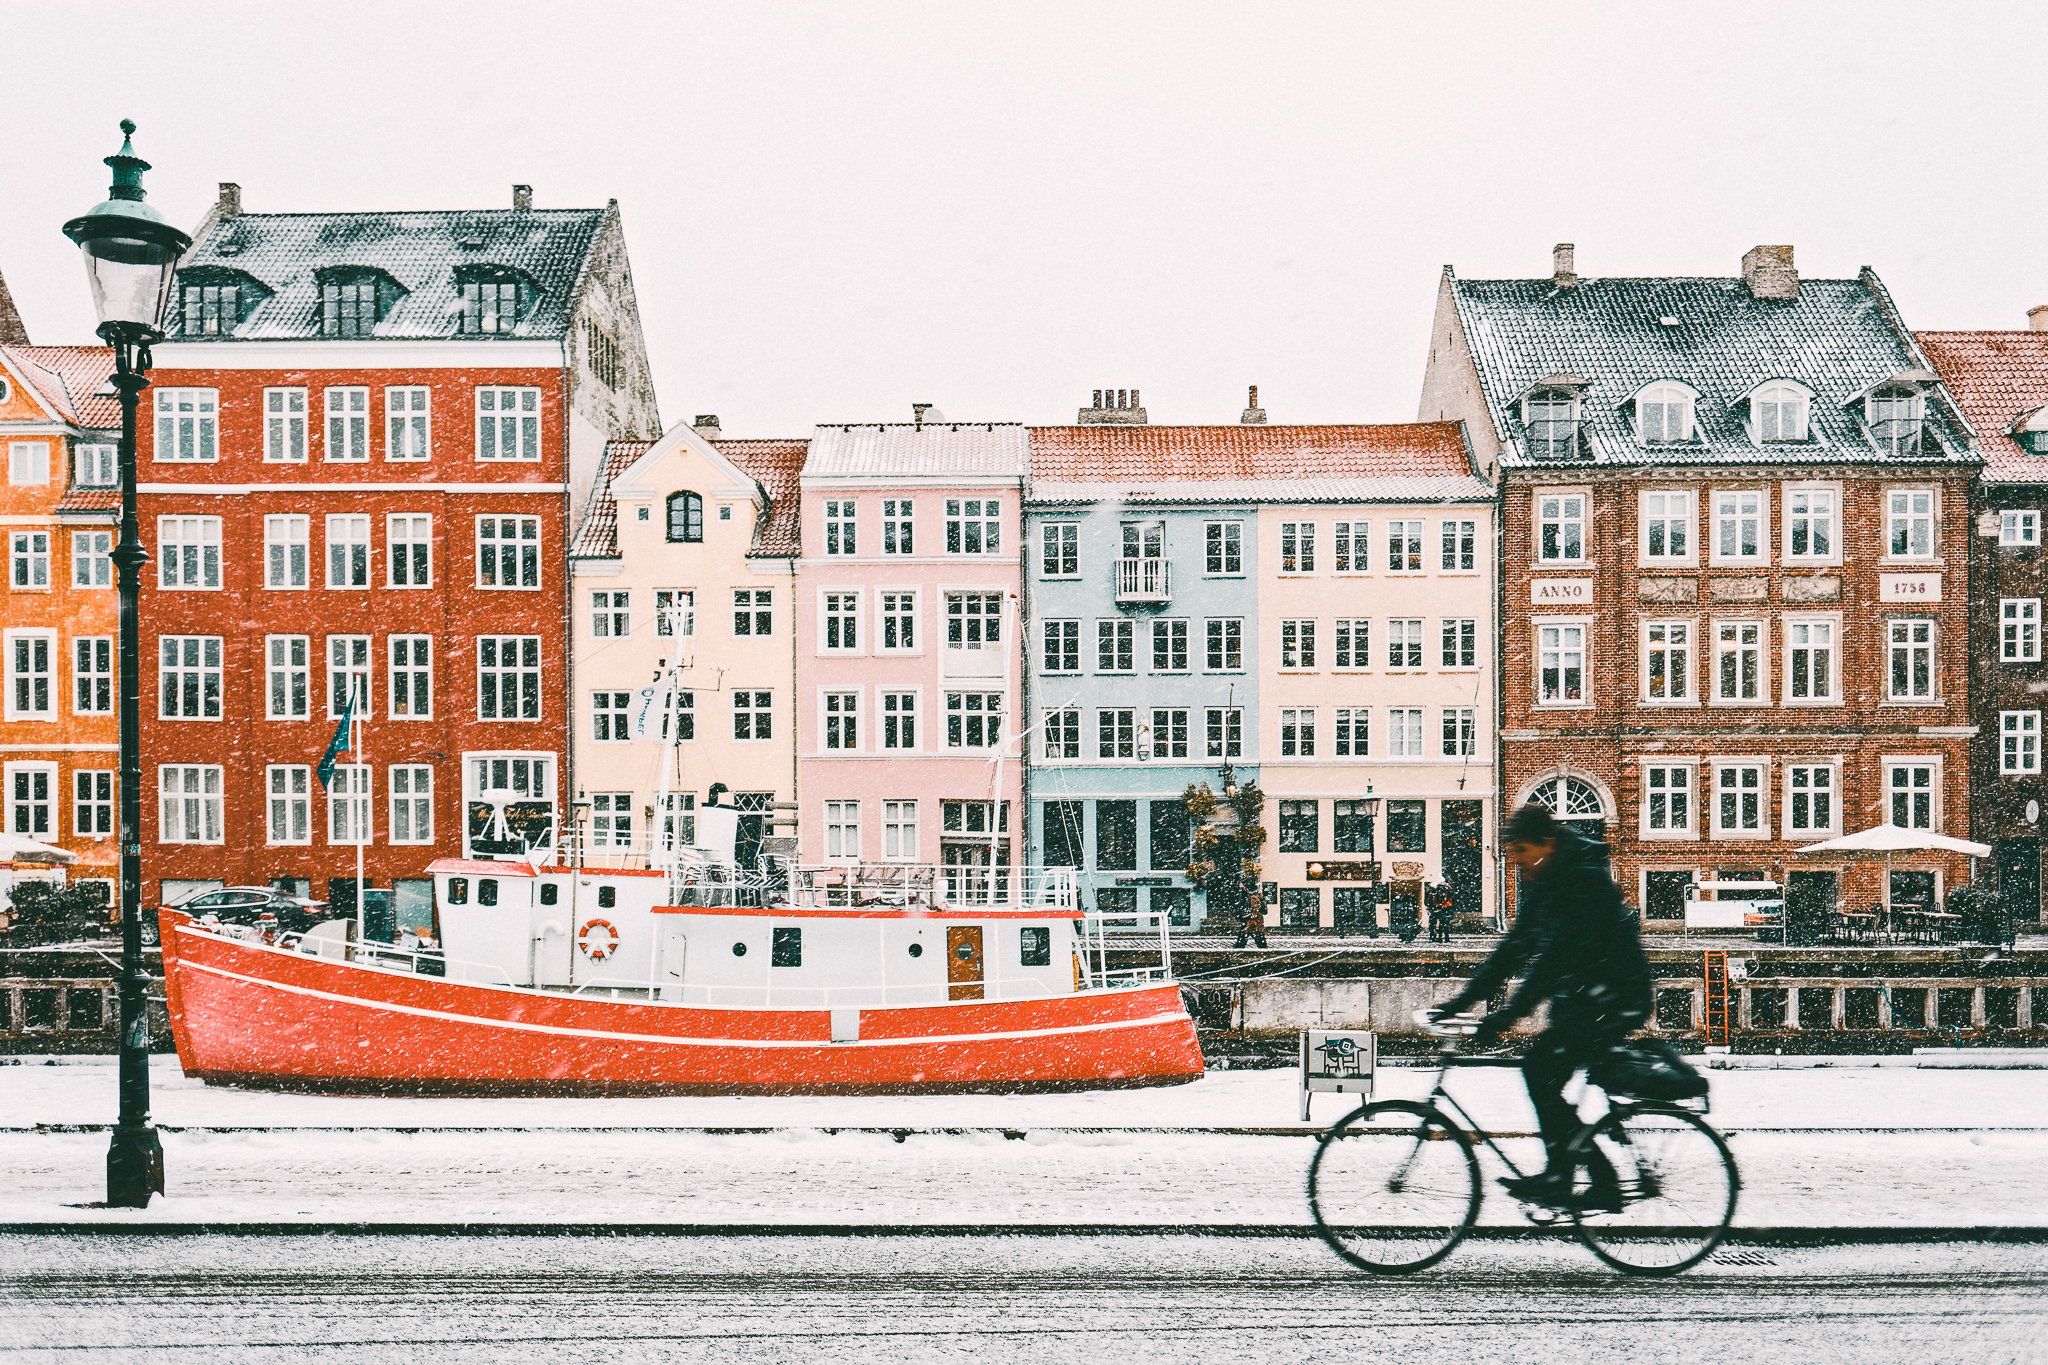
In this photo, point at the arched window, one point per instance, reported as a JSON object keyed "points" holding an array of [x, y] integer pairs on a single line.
{"points": [[1664, 414], [1574, 801], [685, 517], [1778, 412]]}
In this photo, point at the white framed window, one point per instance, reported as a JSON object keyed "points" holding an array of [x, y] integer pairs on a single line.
{"points": [[1810, 671], [1298, 643], [1460, 636], [840, 526], [28, 463], [1224, 726], [1667, 799], [508, 553], [348, 804], [1550, 419], [92, 803], [1666, 515], [28, 554], [1404, 642], [187, 426], [407, 434], [1223, 545], [2019, 630], [2019, 528], [1809, 799], [1778, 412], [1738, 661], [611, 820], [1404, 546], [842, 721], [1911, 643], [348, 675], [1169, 732], [1404, 732], [1297, 547], [678, 820], [189, 803], [611, 716], [289, 803], [1909, 786], [899, 830], [1116, 733], [1298, 732], [1667, 661], [611, 614], [188, 553], [898, 623], [899, 721], [1060, 645], [348, 550], [1909, 523], [287, 683], [1813, 525], [93, 465], [508, 677], [412, 677], [32, 799], [348, 425], [842, 830], [286, 542], [974, 619], [974, 526], [1062, 733], [1224, 639], [1560, 663], [678, 719], [1170, 644], [753, 714], [409, 550], [1664, 414], [1561, 528], [412, 803], [284, 426], [841, 622], [92, 675], [675, 612], [92, 559], [1739, 800], [1738, 525], [188, 677], [507, 424], [1351, 547], [1460, 546], [974, 720], [1351, 732], [1351, 637], [753, 612], [1059, 550], [31, 675], [899, 528], [2019, 741]]}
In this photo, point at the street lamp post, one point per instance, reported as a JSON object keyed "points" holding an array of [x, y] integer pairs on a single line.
{"points": [[131, 254]]}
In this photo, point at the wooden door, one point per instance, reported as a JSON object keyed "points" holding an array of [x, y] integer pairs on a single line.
{"points": [[963, 962]]}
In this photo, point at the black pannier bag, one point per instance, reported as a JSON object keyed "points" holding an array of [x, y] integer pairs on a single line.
{"points": [[1648, 1069]]}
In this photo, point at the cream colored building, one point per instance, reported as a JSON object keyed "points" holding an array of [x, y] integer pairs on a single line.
{"points": [[1376, 703], [682, 576]]}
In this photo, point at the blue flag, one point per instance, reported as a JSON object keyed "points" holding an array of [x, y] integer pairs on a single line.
{"points": [[325, 771]]}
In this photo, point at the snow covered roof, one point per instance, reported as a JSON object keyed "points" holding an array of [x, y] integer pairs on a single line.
{"points": [[934, 452], [1388, 462], [1997, 379]]}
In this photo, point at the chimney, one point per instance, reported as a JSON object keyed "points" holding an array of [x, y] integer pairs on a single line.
{"points": [[230, 203], [1769, 272], [522, 199], [2037, 319], [1114, 407], [1562, 273], [917, 412], [1253, 415], [13, 332], [706, 426]]}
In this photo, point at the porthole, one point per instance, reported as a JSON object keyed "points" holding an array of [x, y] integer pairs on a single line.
{"points": [[917, 950], [739, 950], [4, 390]]}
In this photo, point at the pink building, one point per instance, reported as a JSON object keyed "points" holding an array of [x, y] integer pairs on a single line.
{"points": [[907, 661]]}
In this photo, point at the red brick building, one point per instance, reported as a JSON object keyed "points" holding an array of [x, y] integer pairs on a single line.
{"points": [[357, 464], [1735, 547]]}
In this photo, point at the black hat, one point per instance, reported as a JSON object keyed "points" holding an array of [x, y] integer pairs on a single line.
{"points": [[1531, 824]]}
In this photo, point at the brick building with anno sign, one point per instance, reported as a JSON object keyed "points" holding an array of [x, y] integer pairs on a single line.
{"points": [[1734, 566]]}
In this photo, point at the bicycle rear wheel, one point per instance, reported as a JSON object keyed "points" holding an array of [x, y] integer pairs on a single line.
{"points": [[1394, 1187], [1678, 1189]]}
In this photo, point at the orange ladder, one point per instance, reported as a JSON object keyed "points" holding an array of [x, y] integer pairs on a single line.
{"points": [[1719, 1024]]}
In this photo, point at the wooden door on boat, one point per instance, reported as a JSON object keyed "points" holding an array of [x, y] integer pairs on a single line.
{"points": [[963, 962]]}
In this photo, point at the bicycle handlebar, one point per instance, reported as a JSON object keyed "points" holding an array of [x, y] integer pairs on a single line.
{"points": [[1447, 1025]]}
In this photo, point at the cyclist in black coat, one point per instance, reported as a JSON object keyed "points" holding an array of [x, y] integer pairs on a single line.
{"points": [[1583, 955]]}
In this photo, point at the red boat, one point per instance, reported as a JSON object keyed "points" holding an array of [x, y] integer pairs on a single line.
{"points": [[547, 980]]}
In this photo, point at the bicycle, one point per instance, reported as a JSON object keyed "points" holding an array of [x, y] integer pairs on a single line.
{"points": [[1395, 1186]]}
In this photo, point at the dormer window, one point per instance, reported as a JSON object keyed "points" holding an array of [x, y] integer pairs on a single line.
{"points": [[493, 299], [213, 302], [1778, 411], [1896, 415], [353, 301], [1664, 414], [685, 518], [1550, 419], [2031, 431]]}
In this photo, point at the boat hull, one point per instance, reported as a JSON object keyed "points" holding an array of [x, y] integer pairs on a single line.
{"points": [[247, 1014]]}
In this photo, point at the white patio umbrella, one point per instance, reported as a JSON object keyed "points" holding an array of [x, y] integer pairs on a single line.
{"points": [[1894, 839], [19, 848]]}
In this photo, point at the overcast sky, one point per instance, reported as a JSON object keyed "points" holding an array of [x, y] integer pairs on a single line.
{"points": [[836, 209]]}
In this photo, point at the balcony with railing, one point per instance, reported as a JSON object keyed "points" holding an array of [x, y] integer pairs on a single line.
{"points": [[1144, 580]]}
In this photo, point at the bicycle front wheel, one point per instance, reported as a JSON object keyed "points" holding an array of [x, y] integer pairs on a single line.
{"points": [[1677, 1189], [1394, 1187]]}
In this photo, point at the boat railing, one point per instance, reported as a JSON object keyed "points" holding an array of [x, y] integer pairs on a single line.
{"points": [[929, 886], [1098, 929], [421, 961]]}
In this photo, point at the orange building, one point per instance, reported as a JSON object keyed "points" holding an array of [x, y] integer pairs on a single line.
{"points": [[59, 730]]}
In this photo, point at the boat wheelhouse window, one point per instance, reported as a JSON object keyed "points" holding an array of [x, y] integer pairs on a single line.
{"points": [[458, 891], [549, 893], [607, 897], [786, 948], [1034, 946], [487, 891]]}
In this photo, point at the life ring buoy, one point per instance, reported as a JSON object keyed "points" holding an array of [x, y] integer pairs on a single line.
{"points": [[598, 938]]}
